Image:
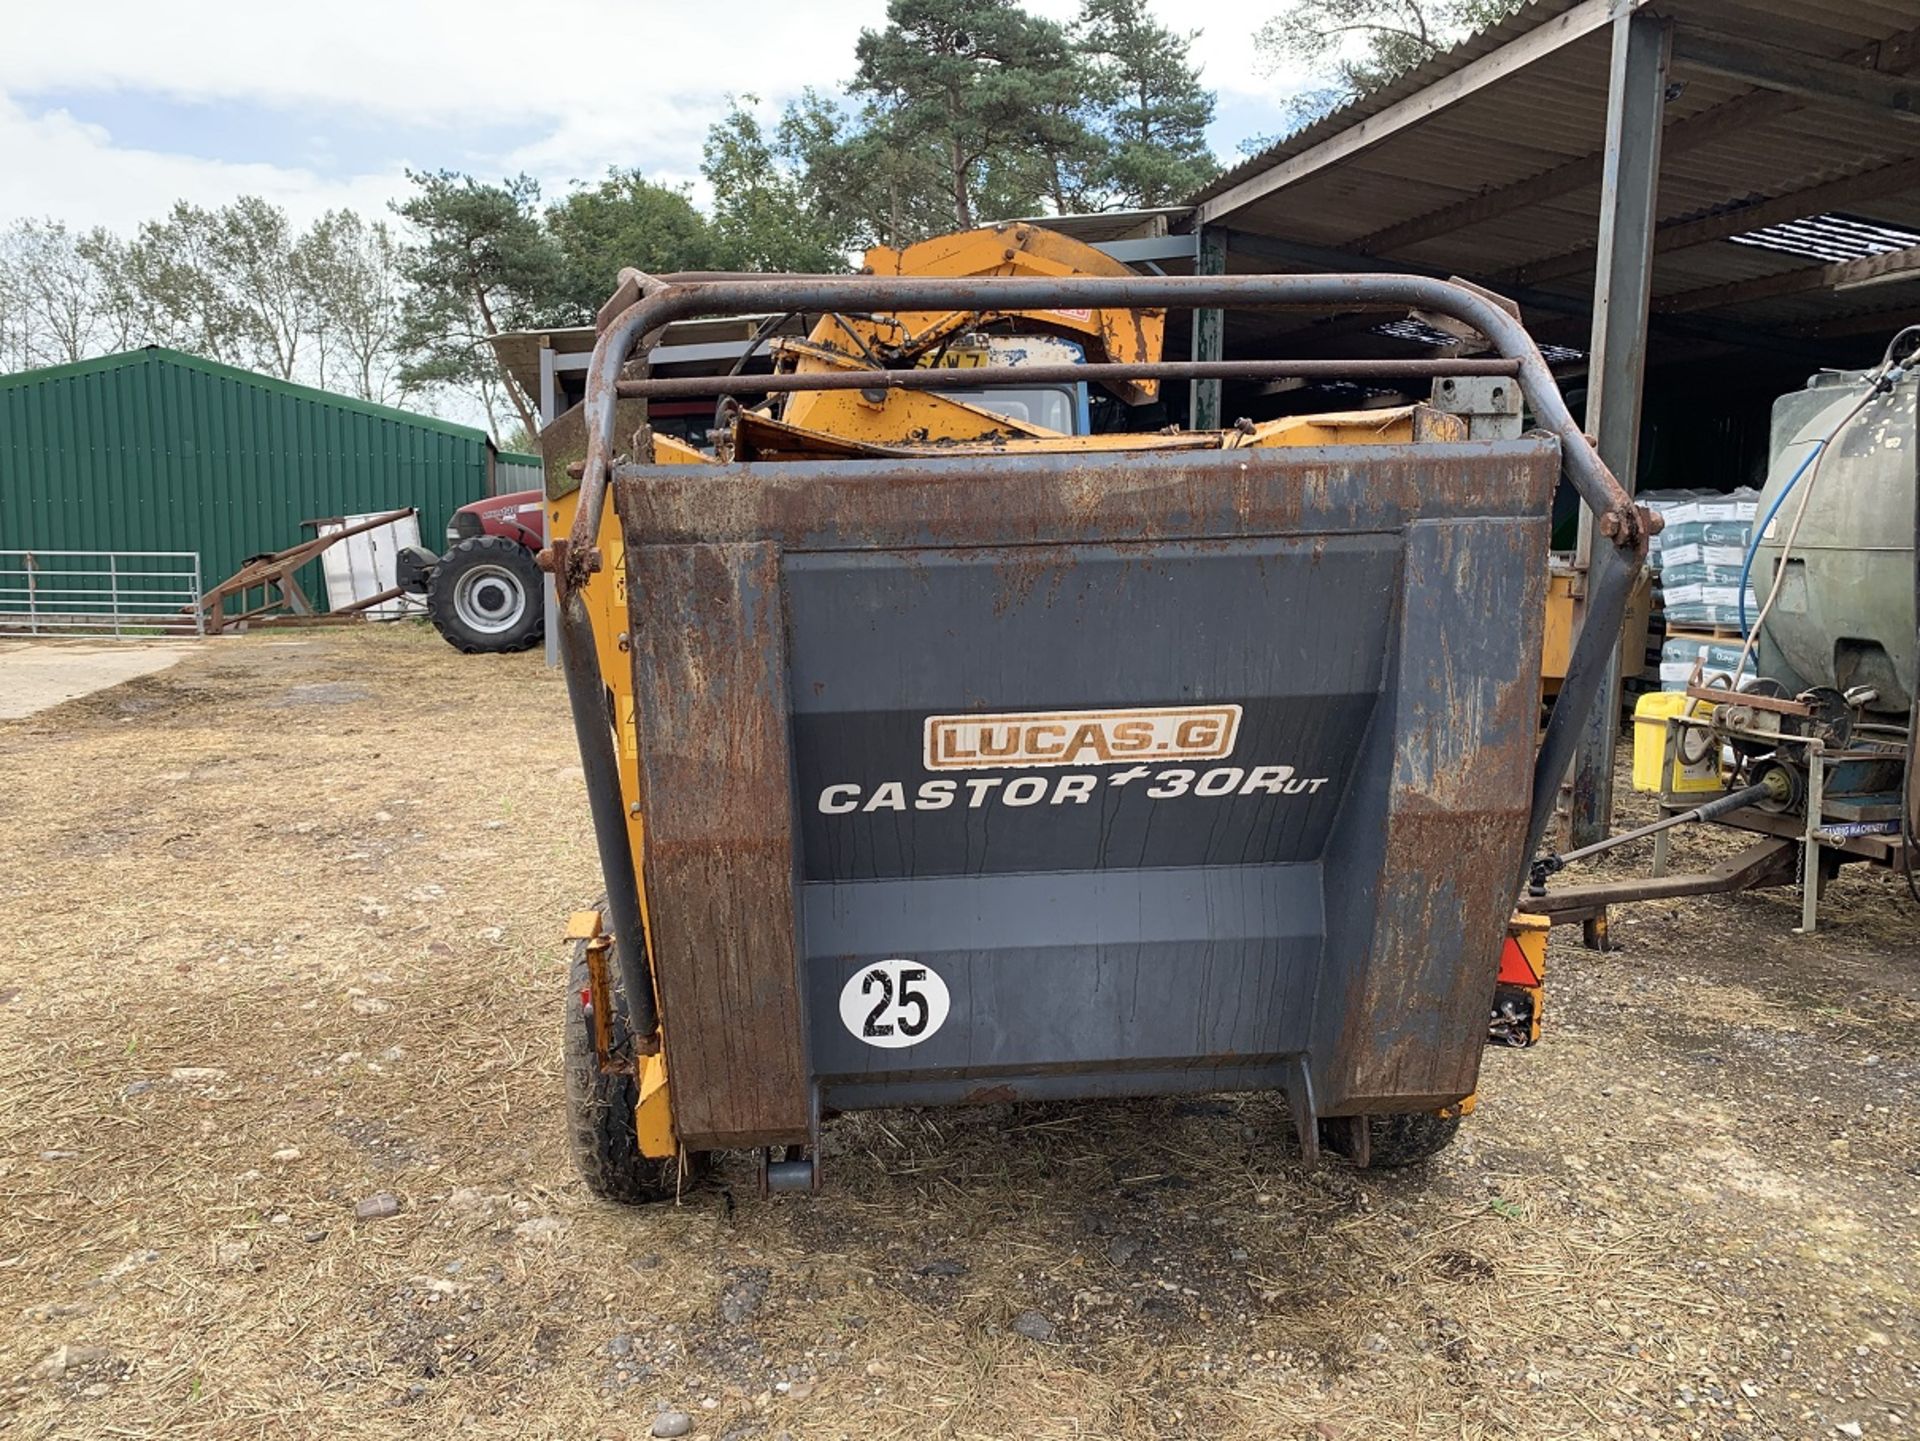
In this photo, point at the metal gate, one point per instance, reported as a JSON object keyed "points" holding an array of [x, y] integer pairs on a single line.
{"points": [[126, 593]]}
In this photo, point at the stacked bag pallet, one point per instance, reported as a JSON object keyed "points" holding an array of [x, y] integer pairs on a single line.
{"points": [[1697, 558]]}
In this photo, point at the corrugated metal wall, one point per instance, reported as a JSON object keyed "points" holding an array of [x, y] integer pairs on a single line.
{"points": [[516, 470], [156, 450]]}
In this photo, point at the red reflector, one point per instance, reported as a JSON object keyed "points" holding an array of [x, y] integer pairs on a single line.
{"points": [[1515, 970], [586, 995]]}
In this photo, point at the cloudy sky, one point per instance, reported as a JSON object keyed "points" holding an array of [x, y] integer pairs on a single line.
{"points": [[112, 109]]}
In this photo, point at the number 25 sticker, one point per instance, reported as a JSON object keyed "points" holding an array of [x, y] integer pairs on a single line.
{"points": [[893, 1003]]}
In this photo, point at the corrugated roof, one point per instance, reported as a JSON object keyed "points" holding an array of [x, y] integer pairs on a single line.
{"points": [[519, 350], [1482, 42], [1096, 226], [1502, 185], [1830, 237]]}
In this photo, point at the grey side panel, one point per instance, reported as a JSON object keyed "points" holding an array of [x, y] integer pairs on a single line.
{"points": [[1076, 971], [1311, 897]]}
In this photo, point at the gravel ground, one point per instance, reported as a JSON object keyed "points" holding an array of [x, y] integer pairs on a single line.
{"points": [[281, 1149]]}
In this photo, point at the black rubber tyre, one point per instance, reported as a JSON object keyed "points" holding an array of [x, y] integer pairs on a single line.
{"points": [[1408, 1138], [600, 1109], [485, 595]]}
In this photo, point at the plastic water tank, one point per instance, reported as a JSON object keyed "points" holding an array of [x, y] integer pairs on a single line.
{"points": [[1845, 613]]}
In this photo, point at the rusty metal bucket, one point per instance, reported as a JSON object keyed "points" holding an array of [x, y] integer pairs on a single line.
{"points": [[1086, 775]]}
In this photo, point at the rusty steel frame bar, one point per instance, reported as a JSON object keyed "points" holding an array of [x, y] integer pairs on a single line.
{"points": [[1770, 861], [1623, 285], [971, 377], [278, 569], [661, 302]]}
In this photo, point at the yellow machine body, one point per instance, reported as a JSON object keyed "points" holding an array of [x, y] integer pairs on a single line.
{"points": [[1109, 335]]}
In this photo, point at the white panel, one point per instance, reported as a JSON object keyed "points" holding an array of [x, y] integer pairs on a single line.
{"points": [[367, 563]]}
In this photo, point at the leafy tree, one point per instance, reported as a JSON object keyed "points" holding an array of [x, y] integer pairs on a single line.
{"points": [[227, 283], [866, 184], [351, 270], [1354, 46], [988, 88], [482, 264], [120, 313], [174, 273], [767, 215], [519, 438], [253, 252], [624, 220], [235, 283], [56, 297], [1153, 108]]}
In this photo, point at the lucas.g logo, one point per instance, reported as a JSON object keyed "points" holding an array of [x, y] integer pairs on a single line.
{"points": [[1080, 738], [1157, 749]]}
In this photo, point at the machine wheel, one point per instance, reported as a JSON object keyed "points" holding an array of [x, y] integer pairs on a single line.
{"points": [[485, 595], [1405, 1138], [600, 1109]]}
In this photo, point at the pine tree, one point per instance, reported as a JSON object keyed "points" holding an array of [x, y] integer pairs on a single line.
{"points": [[875, 189], [1154, 110], [481, 263], [988, 89]]}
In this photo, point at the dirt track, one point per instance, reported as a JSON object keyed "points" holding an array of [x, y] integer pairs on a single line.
{"points": [[281, 934]]}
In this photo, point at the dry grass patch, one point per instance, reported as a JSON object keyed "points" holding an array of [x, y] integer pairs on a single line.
{"points": [[283, 939]]}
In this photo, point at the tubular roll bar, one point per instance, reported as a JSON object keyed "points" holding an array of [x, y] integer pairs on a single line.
{"points": [[942, 378], [632, 333]]}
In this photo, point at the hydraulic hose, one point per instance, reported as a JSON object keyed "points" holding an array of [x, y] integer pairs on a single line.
{"points": [[586, 695]]}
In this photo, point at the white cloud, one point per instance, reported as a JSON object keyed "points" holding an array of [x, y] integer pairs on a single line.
{"points": [[1225, 51], [610, 84], [601, 83], [436, 60], [55, 166]]}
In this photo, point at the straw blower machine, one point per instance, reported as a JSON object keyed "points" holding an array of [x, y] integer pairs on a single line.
{"points": [[952, 736]]}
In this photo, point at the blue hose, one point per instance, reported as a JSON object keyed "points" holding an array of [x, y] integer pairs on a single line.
{"points": [[1760, 530]]}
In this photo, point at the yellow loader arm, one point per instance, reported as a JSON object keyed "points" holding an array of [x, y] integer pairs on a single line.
{"points": [[914, 337]]}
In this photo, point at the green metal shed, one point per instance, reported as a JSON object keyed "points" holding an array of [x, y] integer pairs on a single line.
{"points": [[156, 450], [517, 470]]}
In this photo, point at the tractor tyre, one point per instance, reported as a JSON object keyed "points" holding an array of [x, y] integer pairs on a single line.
{"points": [[1407, 1138], [486, 595], [600, 1107]]}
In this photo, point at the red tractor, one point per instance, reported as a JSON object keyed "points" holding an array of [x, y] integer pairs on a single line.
{"points": [[485, 593]]}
